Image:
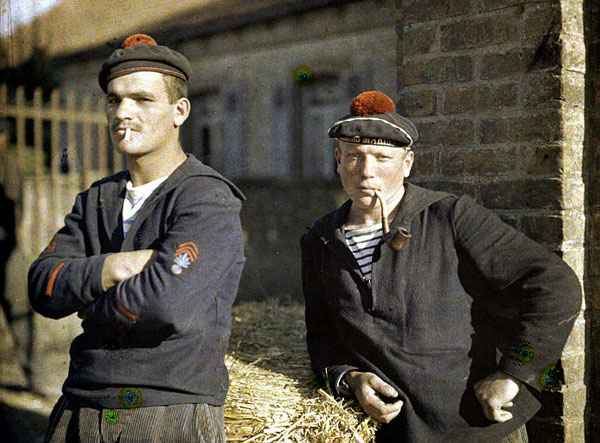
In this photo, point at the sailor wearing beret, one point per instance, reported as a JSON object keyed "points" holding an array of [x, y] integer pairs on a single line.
{"points": [[444, 322], [150, 258]]}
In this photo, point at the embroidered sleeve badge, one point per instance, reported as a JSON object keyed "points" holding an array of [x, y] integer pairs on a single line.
{"points": [[550, 377], [523, 353], [112, 417], [184, 256], [130, 398]]}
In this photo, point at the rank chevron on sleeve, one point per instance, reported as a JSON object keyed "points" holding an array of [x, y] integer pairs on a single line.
{"points": [[189, 248]]}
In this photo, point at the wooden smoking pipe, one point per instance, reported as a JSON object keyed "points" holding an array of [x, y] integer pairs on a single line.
{"points": [[398, 239]]}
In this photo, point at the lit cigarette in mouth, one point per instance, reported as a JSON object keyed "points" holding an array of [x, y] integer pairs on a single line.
{"points": [[127, 134]]}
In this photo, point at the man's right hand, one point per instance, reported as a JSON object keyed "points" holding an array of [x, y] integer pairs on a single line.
{"points": [[123, 265], [366, 387]]}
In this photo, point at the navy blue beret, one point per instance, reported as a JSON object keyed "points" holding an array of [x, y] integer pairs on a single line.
{"points": [[141, 53], [373, 120]]}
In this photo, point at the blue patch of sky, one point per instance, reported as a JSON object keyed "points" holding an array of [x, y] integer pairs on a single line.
{"points": [[14, 13]]}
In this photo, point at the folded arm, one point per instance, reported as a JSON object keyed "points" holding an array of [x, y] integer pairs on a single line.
{"points": [[123, 265], [198, 250], [545, 289], [65, 277]]}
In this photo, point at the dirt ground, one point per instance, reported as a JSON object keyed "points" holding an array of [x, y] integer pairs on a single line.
{"points": [[24, 414]]}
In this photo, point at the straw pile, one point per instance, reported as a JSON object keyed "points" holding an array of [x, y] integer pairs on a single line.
{"points": [[270, 397]]}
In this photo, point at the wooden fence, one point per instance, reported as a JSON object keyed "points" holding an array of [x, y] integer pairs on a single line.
{"points": [[50, 151]]}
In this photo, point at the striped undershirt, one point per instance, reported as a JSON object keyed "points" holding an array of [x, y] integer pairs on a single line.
{"points": [[362, 242]]}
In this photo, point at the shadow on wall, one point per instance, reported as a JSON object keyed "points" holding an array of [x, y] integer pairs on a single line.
{"points": [[274, 218]]}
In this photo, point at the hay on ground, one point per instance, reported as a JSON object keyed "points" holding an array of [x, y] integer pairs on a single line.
{"points": [[270, 397]]}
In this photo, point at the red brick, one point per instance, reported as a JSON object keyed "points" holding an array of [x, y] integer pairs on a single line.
{"points": [[458, 100], [541, 90], [594, 261], [496, 96], [595, 227], [446, 133], [506, 159], [418, 40], [522, 194], [424, 10], [504, 64], [453, 163], [479, 98], [489, 5], [495, 130], [594, 192], [399, 50], [519, 61], [539, 21], [424, 164], [541, 160], [438, 70], [453, 187], [479, 163], [541, 127], [417, 103], [479, 33], [593, 293]]}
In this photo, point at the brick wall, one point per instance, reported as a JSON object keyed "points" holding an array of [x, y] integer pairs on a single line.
{"points": [[496, 88]]}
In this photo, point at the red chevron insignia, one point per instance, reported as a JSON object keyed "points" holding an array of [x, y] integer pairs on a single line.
{"points": [[51, 246], [189, 248]]}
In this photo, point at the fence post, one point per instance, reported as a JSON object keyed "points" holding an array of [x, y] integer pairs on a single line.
{"points": [[4, 135], [70, 155], [3, 155], [86, 162], [103, 152], [21, 140], [38, 136], [55, 158], [43, 195], [21, 146], [39, 175]]}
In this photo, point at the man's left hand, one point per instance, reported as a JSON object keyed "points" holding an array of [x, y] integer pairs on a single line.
{"points": [[495, 392]]}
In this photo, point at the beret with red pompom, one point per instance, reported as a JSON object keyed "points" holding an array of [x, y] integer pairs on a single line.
{"points": [[141, 53], [373, 120]]}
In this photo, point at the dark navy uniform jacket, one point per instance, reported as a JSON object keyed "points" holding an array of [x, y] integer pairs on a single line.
{"points": [[467, 295], [159, 337]]}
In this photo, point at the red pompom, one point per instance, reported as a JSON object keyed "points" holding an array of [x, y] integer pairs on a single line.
{"points": [[138, 39], [371, 102]]}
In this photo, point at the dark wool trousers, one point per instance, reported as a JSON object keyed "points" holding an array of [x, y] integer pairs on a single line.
{"points": [[73, 422], [518, 436]]}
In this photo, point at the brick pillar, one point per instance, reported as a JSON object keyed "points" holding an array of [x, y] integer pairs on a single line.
{"points": [[496, 88], [592, 180]]}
